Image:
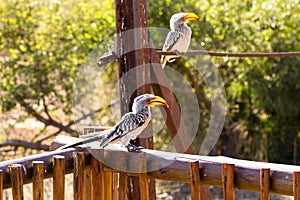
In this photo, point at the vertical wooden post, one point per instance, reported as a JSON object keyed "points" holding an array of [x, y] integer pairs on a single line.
{"points": [[143, 178], [78, 174], [123, 177], [38, 180], [195, 180], [115, 183], [228, 181], [296, 185], [1, 185], [58, 177], [264, 181], [108, 179], [87, 184], [132, 15], [16, 176], [97, 179]]}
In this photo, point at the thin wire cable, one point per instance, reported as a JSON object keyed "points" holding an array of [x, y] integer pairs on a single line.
{"points": [[111, 57], [231, 54]]}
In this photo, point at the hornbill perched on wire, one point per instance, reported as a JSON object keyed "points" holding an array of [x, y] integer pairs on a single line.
{"points": [[129, 127], [179, 38]]}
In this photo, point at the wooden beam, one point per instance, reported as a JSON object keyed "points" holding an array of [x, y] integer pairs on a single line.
{"points": [[143, 178], [174, 122], [58, 177], [47, 158], [296, 185], [78, 175], [132, 49], [123, 178], [228, 181], [1, 185], [264, 182], [108, 180], [97, 173], [38, 180], [171, 166], [87, 190], [195, 180], [16, 174]]}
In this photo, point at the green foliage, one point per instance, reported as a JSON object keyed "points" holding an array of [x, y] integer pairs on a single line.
{"points": [[43, 43], [262, 94]]}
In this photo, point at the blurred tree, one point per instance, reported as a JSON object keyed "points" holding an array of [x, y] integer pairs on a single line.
{"points": [[263, 115], [42, 45]]}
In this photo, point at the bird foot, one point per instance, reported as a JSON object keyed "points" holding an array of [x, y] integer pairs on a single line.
{"points": [[133, 148]]}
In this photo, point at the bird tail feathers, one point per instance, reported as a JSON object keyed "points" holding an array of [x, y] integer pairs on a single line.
{"points": [[90, 138]]}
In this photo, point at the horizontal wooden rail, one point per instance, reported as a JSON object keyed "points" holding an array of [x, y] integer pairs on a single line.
{"points": [[168, 166]]}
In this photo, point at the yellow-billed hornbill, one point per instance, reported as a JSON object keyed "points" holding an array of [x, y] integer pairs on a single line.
{"points": [[130, 126], [179, 38]]}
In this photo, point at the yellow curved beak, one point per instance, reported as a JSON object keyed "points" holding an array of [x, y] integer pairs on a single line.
{"points": [[158, 101], [190, 17]]}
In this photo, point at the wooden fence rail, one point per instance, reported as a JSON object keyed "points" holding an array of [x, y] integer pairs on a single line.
{"points": [[222, 171]]}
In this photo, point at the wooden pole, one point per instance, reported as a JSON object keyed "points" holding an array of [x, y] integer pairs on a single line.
{"points": [[228, 181], [16, 175], [58, 177], [264, 181], [195, 180], [78, 175], [38, 180], [108, 180], [115, 183], [296, 185], [1, 185], [143, 178], [97, 174], [123, 177], [133, 52], [87, 184]]}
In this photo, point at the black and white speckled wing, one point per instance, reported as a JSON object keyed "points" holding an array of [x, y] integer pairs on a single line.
{"points": [[171, 40], [171, 43], [129, 127]]}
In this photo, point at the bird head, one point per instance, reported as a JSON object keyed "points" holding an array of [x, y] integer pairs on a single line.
{"points": [[146, 101], [181, 18]]}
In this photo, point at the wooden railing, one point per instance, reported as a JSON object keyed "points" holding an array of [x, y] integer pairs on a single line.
{"points": [[108, 181]]}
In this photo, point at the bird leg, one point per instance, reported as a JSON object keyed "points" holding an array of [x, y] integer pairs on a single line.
{"points": [[131, 148]]}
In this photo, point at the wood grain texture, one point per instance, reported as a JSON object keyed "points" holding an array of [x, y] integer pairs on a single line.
{"points": [[16, 175], [228, 181], [143, 178], [296, 185], [195, 180], [97, 176], [87, 184], [1, 185], [38, 180], [169, 166], [108, 180], [123, 177], [78, 175], [58, 177], [264, 182]]}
